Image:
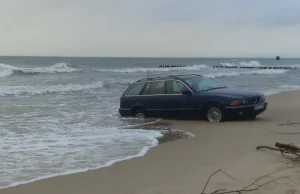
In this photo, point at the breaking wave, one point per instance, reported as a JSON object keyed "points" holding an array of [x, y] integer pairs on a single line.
{"points": [[291, 87], [37, 90], [8, 70], [143, 69], [243, 64]]}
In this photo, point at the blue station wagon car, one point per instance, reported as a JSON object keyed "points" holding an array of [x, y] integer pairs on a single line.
{"points": [[183, 95]]}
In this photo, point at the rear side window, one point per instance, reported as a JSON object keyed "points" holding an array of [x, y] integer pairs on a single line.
{"points": [[157, 88], [146, 89], [135, 90]]}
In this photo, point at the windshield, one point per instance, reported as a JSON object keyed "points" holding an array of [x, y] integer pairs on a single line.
{"points": [[203, 84]]}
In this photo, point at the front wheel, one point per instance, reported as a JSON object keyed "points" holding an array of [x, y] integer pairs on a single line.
{"points": [[214, 113], [139, 113]]}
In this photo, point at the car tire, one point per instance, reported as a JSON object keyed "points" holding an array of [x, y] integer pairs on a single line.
{"points": [[214, 113], [139, 113]]}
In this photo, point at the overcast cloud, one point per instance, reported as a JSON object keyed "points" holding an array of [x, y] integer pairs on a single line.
{"points": [[239, 28]]}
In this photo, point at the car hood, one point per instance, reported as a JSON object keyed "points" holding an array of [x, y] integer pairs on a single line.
{"points": [[230, 92]]}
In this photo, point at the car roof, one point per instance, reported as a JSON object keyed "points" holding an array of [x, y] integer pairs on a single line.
{"points": [[179, 77]]}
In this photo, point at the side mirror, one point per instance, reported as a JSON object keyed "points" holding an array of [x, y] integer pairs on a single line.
{"points": [[187, 92]]}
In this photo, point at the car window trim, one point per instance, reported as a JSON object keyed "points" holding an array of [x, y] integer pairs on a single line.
{"points": [[157, 94], [135, 85]]}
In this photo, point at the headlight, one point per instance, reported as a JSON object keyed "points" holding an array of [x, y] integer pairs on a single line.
{"points": [[244, 102]]}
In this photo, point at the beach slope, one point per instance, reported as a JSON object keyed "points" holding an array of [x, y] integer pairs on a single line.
{"points": [[183, 166]]}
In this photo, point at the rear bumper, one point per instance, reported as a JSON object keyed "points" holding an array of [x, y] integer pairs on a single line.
{"points": [[254, 109], [124, 112]]}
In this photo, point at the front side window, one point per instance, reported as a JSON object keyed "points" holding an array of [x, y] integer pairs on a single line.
{"points": [[203, 84], [135, 90], [157, 88], [175, 87]]}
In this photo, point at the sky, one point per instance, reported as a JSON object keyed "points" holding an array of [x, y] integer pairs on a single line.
{"points": [[150, 28]]}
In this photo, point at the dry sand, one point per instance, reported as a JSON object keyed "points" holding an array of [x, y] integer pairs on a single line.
{"points": [[183, 166]]}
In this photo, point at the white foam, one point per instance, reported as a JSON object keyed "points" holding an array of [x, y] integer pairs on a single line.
{"points": [[243, 63], [272, 92], [228, 64], [5, 72], [57, 68], [246, 72], [282, 88], [250, 64], [291, 87], [220, 74], [143, 69], [35, 90]]}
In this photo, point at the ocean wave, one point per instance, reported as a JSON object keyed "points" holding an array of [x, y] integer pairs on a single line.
{"points": [[38, 90], [144, 69], [282, 88], [5, 72], [243, 64], [253, 72], [291, 87], [8, 70]]}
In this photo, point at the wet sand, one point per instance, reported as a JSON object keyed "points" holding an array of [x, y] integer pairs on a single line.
{"points": [[183, 166]]}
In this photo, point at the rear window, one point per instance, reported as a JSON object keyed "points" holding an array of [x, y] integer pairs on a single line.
{"points": [[135, 90]]}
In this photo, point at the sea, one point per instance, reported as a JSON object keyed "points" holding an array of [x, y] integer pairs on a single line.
{"points": [[59, 115]]}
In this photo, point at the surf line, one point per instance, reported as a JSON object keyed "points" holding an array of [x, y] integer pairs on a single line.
{"points": [[253, 67]]}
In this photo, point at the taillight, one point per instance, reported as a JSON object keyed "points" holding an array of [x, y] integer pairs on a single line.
{"points": [[120, 102]]}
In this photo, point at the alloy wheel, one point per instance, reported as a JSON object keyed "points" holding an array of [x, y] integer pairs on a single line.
{"points": [[214, 115]]}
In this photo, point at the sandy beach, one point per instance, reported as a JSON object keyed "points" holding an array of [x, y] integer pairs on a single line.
{"points": [[183, 166]]}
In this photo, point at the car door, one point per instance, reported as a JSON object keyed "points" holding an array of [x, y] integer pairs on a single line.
{"points": [[177, 103], [156, 100]]}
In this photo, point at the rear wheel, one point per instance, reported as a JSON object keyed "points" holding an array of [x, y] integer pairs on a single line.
{"points": [[214, 113], [139, 113]]}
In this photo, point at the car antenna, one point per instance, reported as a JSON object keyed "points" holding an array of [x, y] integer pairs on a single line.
{"points": [[147, 72]]}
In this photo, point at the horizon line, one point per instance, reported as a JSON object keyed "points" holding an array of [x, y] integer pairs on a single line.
{"points": [[178, 57]]}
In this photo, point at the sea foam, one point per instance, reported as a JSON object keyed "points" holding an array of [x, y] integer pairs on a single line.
{"points": [[244, 72], [36, 90], [8, 70], [84, 146], [151, 69], [243, 63]]}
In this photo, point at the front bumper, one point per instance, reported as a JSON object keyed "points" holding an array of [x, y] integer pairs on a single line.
{"points": [[253, 109]]}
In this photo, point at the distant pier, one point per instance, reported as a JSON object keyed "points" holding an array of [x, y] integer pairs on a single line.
{"points": [[168, 66], [235, 67]]}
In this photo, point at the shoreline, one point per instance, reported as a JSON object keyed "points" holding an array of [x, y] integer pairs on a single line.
{"points": [[166, 133], [179, 126]]}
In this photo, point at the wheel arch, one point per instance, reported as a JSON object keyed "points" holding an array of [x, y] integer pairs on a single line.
{"points": [[136, 107]]}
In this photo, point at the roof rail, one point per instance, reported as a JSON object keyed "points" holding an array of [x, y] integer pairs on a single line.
{"points": [[152, 78], [187, 74]]}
